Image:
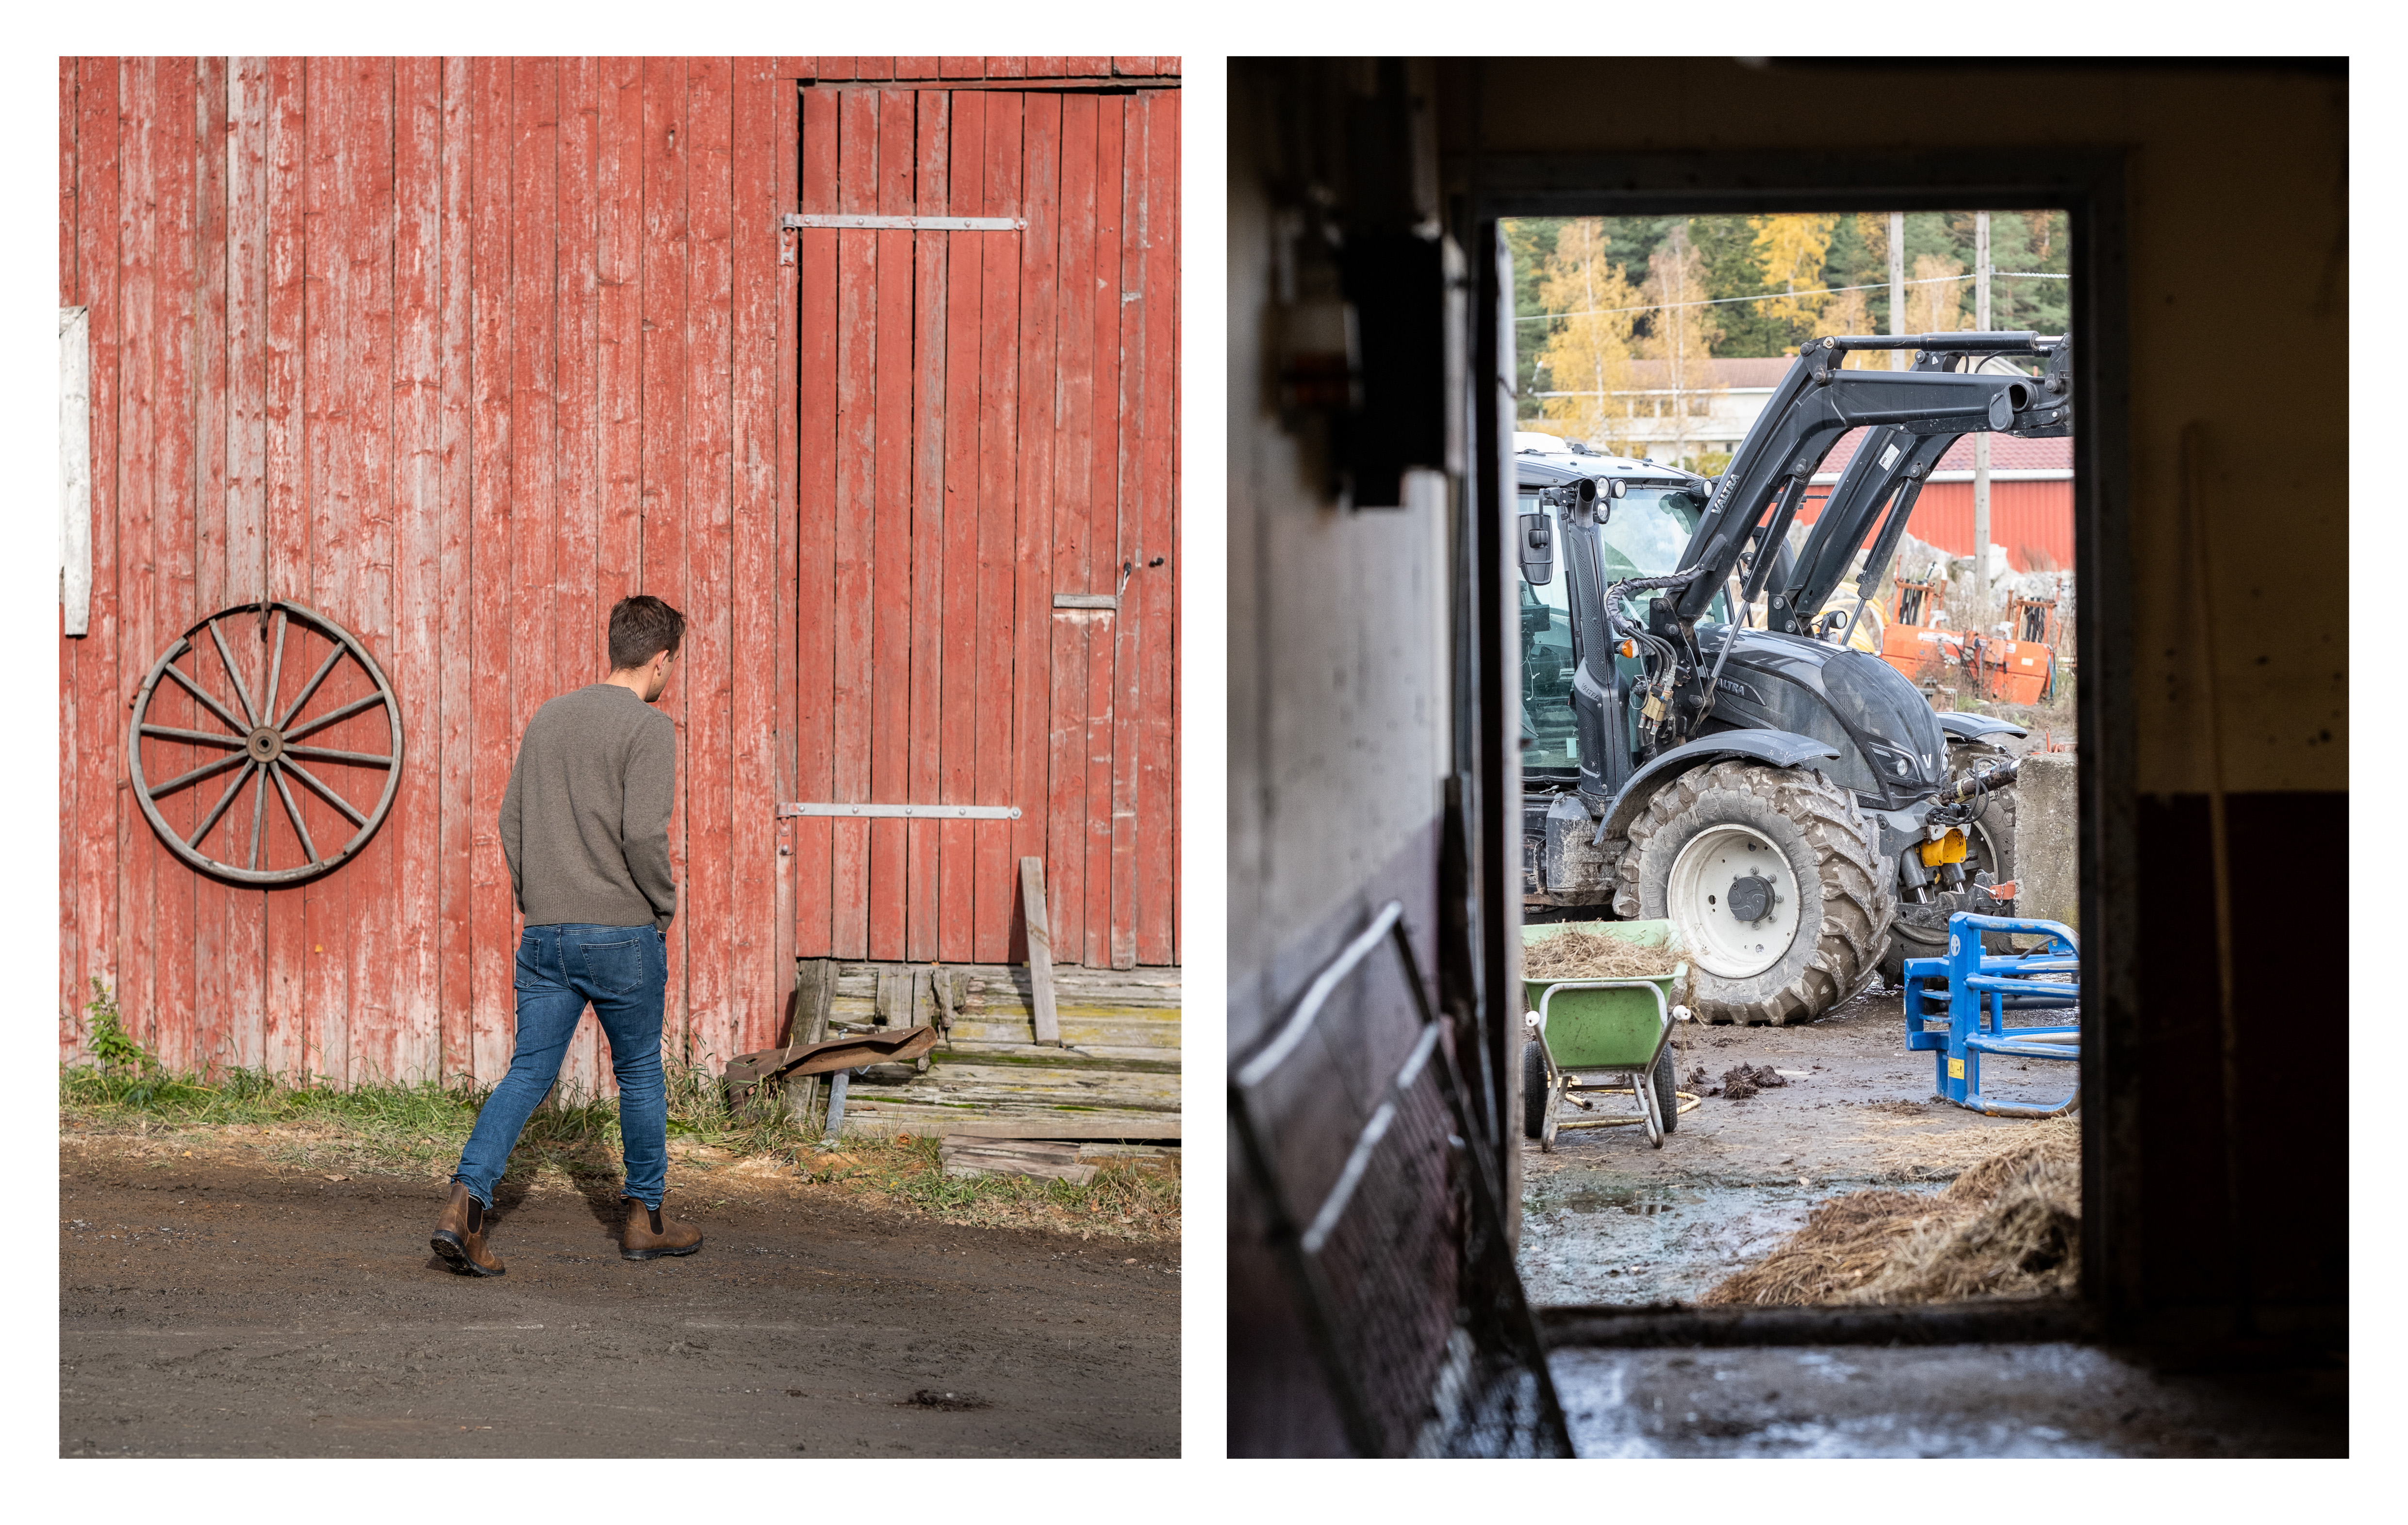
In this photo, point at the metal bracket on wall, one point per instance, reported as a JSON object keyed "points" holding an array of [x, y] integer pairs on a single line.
{"points": [[908, 812]]}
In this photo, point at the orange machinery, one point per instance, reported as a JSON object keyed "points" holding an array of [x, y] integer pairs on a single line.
{"points": [[2017, 670]]}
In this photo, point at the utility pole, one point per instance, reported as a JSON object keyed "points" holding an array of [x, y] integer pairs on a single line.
{"points": [[1897, 361], [1982, 439]]}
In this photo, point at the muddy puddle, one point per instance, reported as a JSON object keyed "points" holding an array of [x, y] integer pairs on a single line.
{"points": [[1592, 1239]]}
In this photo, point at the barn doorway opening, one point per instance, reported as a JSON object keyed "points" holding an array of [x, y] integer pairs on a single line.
{"points": [[1906, 610]]}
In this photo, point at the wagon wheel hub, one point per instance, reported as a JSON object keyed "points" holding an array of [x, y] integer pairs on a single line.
{"points": [[267, 744]]}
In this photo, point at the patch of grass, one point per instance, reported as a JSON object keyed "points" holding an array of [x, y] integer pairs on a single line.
{"points": [[420, 1130]]}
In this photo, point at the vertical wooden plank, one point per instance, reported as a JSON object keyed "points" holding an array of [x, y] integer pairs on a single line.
{"points": [[330, 445], [662, 569], [71, 995], [1033, 553], [578, 619], [618, 178], [99, 725], [457, 892], [755, 591], [535, 300], [417, 1047], [956, 740], [932, 129], [212, 1030], [285, 1028], [1103, 534], [246, 487], [370, 941], [855, 519], [1156, 588], [709, 658], [1040, 952], [890, 714], [819, 339], [1075, 634], [492, 740], [1000, 626], [1130, 631], [786, 137], [169, 213], [139, 853]]}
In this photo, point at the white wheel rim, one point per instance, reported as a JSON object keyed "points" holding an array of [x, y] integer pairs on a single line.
{"points": [[1696, 898]]}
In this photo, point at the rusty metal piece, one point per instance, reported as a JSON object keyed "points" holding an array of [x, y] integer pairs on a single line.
{"points": [[261, 745], [849, 1053]]}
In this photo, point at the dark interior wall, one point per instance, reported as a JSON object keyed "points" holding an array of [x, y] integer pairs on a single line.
{"points": [[2217, 259]]}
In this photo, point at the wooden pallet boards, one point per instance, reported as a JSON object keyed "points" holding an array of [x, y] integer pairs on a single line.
{"points": [[1046, 1161]]}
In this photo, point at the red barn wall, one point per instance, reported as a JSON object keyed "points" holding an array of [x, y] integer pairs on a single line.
{"points": [[459, 351], [2032, 519]]}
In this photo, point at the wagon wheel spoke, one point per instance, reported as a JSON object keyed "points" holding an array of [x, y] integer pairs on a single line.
{"points": [[258, 819], [275, 663], [311, 687], [297, 771], [284, 792], [223, 800], [240, 692], [333, 714], [202, 738], [206, 770], [215, 708], [328, 754]]}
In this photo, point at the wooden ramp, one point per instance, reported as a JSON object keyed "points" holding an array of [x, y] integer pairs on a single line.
{"points": [[1115, 1074]]}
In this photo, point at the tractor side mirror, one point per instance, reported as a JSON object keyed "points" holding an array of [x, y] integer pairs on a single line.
{"points": [[1537, 549]]}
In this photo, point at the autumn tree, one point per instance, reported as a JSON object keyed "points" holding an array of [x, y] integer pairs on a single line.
{"points": [[1790, 249], [1681, 335], [1583, 371]]}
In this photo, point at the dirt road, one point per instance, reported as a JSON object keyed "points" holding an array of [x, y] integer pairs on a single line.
{"points": [[215, 1309], [1608, 1219]]}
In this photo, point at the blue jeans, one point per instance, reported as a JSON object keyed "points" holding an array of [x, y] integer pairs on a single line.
{"points": [[624, 970]]}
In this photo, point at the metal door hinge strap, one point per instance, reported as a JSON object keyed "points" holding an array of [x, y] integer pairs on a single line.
{"points": [[908, 812], [920, 224], [1086, 601]]}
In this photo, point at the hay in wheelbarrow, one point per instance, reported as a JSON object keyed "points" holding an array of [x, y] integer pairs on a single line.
{"points": [[2009, 1226], [1577, 954]]}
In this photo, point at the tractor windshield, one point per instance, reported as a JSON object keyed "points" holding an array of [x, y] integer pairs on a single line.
{"points": [[1641, 537]]}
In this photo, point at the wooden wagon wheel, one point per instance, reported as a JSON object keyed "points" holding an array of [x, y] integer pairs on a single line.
{"points": [[263, 744]]}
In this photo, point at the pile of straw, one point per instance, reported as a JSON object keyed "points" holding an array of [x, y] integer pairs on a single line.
{"points": [[2009, 1226], [1577, 953]]}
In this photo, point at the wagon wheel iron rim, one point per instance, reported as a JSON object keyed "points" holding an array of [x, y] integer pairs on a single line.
{"points": [[266, 745]]}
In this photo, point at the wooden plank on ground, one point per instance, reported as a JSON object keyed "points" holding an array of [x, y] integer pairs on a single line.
{"points": [[1041, 949], [1043, 1128]]}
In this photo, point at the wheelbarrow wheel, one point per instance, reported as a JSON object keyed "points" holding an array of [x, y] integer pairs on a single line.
{"points": [[1534, 1090], [1668, 1097]]}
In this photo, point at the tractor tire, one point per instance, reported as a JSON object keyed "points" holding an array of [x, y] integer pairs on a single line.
{"points": [[1534, 1090], [1915, 935], [1668, 1094], [1823, 900]]}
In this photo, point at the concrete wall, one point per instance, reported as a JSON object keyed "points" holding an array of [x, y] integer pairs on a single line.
{"points": [[2048, 839]]}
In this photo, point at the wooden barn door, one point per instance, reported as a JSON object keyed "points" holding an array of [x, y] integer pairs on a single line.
{"points": [[987, 352]]}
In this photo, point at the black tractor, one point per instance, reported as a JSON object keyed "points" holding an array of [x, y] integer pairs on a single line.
{"points": [[1789, 800]]}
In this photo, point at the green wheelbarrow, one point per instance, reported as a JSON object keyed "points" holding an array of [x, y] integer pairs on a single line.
{"points": [[1593, 1036]]}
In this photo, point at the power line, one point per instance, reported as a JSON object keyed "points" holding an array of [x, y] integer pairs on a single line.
{"points": [[1778, 296]]}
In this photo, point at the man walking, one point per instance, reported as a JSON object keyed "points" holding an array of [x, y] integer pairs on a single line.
{"points": [[585, 827]]}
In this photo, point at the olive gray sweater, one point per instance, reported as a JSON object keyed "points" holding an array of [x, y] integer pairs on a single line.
{"points": [[585, 822]]}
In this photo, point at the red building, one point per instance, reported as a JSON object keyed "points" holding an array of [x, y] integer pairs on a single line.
{"points": [[867, 364], [2031, 499]]}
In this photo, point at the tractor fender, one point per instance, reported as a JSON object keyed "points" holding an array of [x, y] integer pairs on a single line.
{"points": [[1780, 748], [1966, 726]]}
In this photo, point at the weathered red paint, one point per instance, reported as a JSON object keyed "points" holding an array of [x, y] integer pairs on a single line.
{"points": [[461, 350]]}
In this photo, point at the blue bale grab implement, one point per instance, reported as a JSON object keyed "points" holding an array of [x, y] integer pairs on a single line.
{"points": [[1972, 992], [1591, 1036]]}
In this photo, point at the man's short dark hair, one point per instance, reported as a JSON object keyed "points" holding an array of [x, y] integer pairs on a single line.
{"points": [[641, 628]]}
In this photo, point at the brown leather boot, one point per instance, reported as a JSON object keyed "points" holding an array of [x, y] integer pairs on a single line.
{"points": [[649, 1234], [460, 1235]]}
